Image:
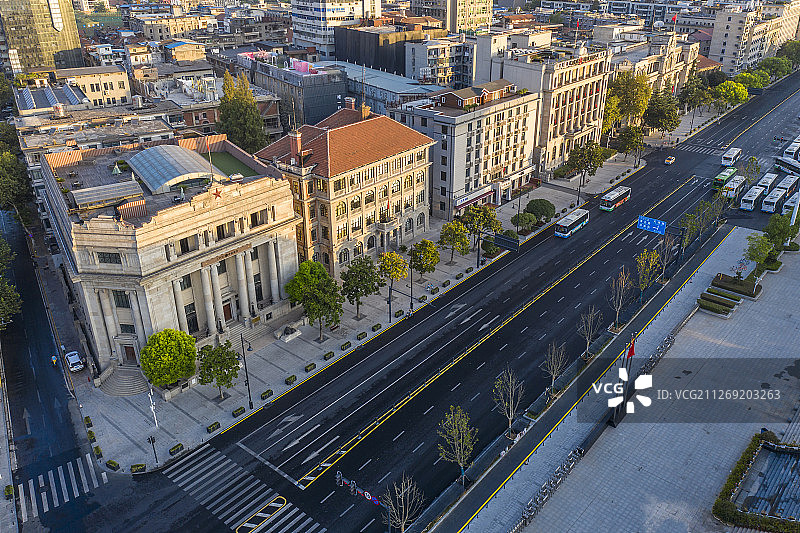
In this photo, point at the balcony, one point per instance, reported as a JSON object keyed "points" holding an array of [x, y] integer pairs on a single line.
{"points": [[386, 224]]}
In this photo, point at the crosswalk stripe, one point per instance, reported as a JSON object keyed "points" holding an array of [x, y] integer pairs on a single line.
{"points": [[91, 470], [293, 522], [189, 459], [232, 500], [64, 491], [83, 475], [45, 506], [34, 506], [230, 480], [208, 471], [53, 487], [242, 512], [72, 479], [22, 507], [274, 524], [197, 466]]}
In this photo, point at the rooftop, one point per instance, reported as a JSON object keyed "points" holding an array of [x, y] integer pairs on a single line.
{"points": [[32, 98], [101, 115], [88, 71], [161, 166], [383, 80], [168, 69], [107, 133]]}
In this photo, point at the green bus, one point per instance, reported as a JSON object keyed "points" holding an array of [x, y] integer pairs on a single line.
{"points": [[723, 178]]}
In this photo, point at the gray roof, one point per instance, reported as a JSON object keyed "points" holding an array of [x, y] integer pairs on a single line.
{"points": [[85, 71], [103, 195], [164, 165]]}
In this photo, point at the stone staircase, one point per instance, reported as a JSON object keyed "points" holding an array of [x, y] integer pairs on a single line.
{"points": [[125, 381]]}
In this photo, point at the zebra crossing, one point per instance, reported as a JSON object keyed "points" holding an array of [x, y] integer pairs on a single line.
{"points": [[41, 494], [707, 150], [240, 500]]}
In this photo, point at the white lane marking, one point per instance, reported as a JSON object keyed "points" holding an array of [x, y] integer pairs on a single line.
{"points": [[473, 398], [428, 410], [381, 480], [22, 507], [53, 487], [91, 470], [470, 317], [437, 460], [577, 306], [544, 313], [641, 240], [104, 476], [415, 449], [578, 285], [523, 329], [398, 435], [486, 325], [507, 299], [63, 484], [543, 336], [34, 505], [498, 375], [366, 526], [365, 464], [520, 355], [479, 366], [523, 286], [560, 299], [606, 261], [457, 386], [316, 453], [345, 511], [562, 320], [83, 475], [72, 479], [541, 274], [503, 346], [328, 496], [593, 291]]}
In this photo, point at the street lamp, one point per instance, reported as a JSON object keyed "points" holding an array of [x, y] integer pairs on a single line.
{"points": [[152, 440], [246, 374]]}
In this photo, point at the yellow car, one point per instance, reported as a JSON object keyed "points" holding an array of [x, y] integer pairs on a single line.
{"points": [[669, 160]]}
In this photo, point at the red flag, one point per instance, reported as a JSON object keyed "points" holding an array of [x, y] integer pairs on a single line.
{"points": [[578, 25], [674, 18], [630, 349]]}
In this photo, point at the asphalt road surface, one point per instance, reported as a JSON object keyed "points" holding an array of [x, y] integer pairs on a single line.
{"points": [[270, 472]]}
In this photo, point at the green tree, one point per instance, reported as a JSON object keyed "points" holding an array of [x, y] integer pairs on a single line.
{"points": [[6, 94], [459, 438], [779, 229], [731, 93], [693, 94], [791, 51], [318, 293], [749, 80], [556, 18], [9, 142], [777, 67], [10, 302], [586, 159], [714, 77], [359, 280], [751, 170], [424, 257], [480, 219], [662, 113], [758, 247], [633, 93], [6, 256], [647, 263], [218, 365], [542, 209], [611, 115], [454, 235], [393, 267], [524, 220], [631, 140], [239, 117], [168, 356], [763, 77], [14, 188]]}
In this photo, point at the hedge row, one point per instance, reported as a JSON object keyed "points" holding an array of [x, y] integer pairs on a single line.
{"points": [[743, 286], [724, 294], [718, 300], [714, 308]]}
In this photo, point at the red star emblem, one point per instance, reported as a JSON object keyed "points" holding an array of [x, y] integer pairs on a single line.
{"points": [[217, 194]]}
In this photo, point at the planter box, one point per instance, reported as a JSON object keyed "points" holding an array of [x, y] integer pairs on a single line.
{"points": [[113, 465], [87, 421], [291, 379], [362, 335], [175, 450], [376, 327], [423, 297], [328, 356], [92, 438], [98, 452], [138, 468], [346, 345], [9, 492], [212, 428], [446, 283], [459, 275], [310, 366], [470, 269], [398, 313], [434, 290], [266, 394], [239, 411]]}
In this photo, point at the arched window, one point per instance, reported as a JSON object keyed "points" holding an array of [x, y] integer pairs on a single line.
{"points": [[384, 192], [371, 242], [344, 256], [341, 209], [409, 225], [421, 221], [408, 181], [358, 250], [369, 197], [355, 203], [396, 186], [325, 258]]}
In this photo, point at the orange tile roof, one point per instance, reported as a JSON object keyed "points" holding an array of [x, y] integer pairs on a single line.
{"points": [[343, 142], [704, 63]]}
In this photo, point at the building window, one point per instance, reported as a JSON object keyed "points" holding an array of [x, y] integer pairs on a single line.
{"points": [[112, 258], [443, 191], [191, 318], [355, 203], [186, 282], [127, 329], [371, 242], [369, 197], [444, 161], [358, 250], [224, 231], [344, 256], [396, 187], [325, 232], [341, 209], [188, 244], [441, 206], [258, 219], [423, 122], [222, 267], [121, 299], [444, 176]]}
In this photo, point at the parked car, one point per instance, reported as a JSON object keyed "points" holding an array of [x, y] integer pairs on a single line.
{"points": [[669, 160], [75, 362]]}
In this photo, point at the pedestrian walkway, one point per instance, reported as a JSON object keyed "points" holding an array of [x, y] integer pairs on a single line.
{"points": [[58, 486], [243, 502], [8, 508]]}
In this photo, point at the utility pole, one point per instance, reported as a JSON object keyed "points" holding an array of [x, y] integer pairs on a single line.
{"points": [[152, 440]]}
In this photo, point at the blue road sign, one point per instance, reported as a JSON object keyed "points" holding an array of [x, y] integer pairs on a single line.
{"points": [[652, 224]]}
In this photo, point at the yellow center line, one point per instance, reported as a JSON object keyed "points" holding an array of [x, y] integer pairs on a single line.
{"points": [[613, 362], [363, 434]]}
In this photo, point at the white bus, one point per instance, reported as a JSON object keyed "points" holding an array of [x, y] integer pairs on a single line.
{"points": [[791, 150], [774, 201], [790, 166], [768, 182], [572, 223], [731, 156], [788, 207], [615, 198], [789, 183], [750, 199], [734, 187]]}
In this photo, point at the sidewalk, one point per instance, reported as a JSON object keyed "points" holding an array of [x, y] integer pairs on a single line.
{"points": [[8, 508], [504, 506]]}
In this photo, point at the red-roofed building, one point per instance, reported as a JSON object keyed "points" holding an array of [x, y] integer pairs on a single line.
{"points": [[360, 183]]}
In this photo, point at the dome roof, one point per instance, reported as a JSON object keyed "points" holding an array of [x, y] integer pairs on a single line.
{"points": [[160, 167]]}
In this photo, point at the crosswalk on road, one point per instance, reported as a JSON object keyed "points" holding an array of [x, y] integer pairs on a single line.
{"points": [[700, 149], [235, 497], [57, 487]]}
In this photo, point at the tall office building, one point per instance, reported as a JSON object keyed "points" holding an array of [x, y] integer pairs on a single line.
{"points": [[458, 15], [313, 21], [38, 34]]}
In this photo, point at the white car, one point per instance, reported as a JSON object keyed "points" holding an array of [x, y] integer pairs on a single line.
{"points": [[74, 361]]}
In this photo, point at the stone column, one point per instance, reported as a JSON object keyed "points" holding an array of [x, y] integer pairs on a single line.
{"points": [[147, 321], [244, 300], [273, 273], [251, 283], [137, 318], [217, 297], [208, 300], [108, 317], [179, 306]]}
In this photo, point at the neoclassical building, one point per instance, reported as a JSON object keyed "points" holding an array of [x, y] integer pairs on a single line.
{"points": [[153, 235], [360, 183]]}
